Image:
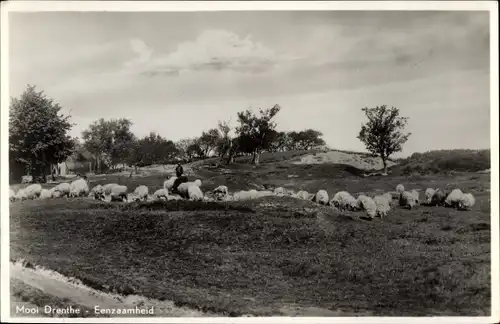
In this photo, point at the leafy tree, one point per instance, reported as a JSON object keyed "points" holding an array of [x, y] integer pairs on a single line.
{"points": [[256, 133], [195, 150], [98, 140], [225, 142], [281, 142], [38, 132], [208, 141], [122, 140], [307, 139], [110, 141], [153, 149], [383, 133], [182, 146]]}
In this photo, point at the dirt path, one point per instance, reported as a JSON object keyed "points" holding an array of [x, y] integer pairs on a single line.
{"points": [[56, 285]]}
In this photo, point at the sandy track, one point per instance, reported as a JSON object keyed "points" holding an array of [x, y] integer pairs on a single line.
{"points": [[55, 284], [356, 160]]}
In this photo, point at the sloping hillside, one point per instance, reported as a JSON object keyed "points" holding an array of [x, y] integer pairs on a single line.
{"points": [[445, 161]]}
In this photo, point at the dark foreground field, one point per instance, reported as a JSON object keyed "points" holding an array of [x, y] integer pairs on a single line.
{"points": [[263, 256]]}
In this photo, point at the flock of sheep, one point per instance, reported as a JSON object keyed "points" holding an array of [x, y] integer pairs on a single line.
{"points": [[379, 205]]}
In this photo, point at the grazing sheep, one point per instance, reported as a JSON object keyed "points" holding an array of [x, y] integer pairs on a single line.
{"points": [[161, 193], [183, 187], [194, 193], [220, 192], [382, 204], [321, 197], [141, 192], [56, 194], [107, 188], [46, 194], [261, 193], [388, 195], [438, 198], [208, 199], [344, 201], [79, 188], [63, 189], [429, 192], [407, 200], [367, 204], [33, 191], [466, 202], [302, 194], [169, 183], [242, 195], [26, 179], [280, 192], [400, 188], [21, 195], [416, 195], [12, 195], [453, 198], [97, 192], [119, 193]]}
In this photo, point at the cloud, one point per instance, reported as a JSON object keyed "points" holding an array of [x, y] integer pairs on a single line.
{"points": [[142, 50], [212, 50]]}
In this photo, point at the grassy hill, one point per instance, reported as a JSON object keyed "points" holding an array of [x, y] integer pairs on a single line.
{"points": [[445, 161]]}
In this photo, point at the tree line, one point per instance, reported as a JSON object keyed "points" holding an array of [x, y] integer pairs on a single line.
{"points": [[39, 138]]}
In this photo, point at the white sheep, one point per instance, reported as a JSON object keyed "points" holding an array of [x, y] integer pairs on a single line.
{"points": [[466, 202], [388, 195], [344, 201], [242, 195], [46, 194], [141, 192], [55, 193], [79, 188], [194, 193], [33, 191], [12, 195], [407, 200], [416, 195], [280, 192], [21, 195], [302, 194], [453, 198], [108, 187], [400, 188], [439, 197], [161, 193], [63, 188], [429, 192], [26, 179], [119, 193], [367, 204], [383, 206], [261, 193], [220, 192], [169, 183], [97, 192], [183, 187], [208, 199], [321, 197]]}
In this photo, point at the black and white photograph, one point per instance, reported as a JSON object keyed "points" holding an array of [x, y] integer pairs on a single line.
{"points": [[249, 163]]}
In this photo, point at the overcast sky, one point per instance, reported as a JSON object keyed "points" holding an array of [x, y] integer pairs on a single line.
{"points": [[179, 73]]}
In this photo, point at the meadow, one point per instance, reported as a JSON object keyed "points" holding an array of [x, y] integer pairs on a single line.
{"points": [[274, 255]]}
